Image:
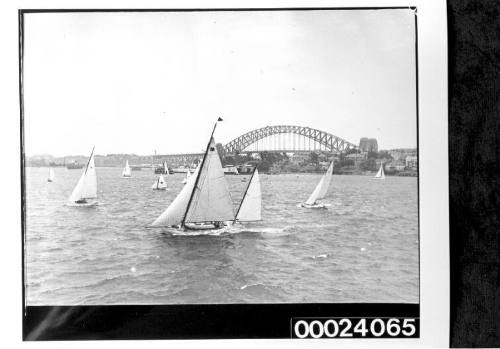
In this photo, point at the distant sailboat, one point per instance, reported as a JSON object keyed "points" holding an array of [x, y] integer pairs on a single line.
{"points": [[251, 204], [160, 184], [204, 202], [380, 174], [188, 174], [320, 190], [127, 172], [51, 175], [86, 188]]}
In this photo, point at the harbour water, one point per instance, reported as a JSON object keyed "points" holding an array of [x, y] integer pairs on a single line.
{"points": [[363, 248]]}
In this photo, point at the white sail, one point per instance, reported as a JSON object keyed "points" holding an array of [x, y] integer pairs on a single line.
{"points": [[86, 188], [380, 174], [51, 175], [127, 172], [322, 187], [165, 168], [175, 212], [160, 183], [211, 201], [250, 207], [188, 174]]}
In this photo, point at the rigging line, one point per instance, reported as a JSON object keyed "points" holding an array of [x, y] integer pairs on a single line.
{"points": [[88, 162]]}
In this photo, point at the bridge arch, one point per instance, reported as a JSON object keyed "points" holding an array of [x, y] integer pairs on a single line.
{"points": [[329, 141]]}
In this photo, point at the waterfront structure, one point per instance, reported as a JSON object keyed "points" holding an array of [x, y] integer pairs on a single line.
{"points": [[246, 168], [411, 162], [395, 166], [357, 158], [230, 169], [401, 154]]}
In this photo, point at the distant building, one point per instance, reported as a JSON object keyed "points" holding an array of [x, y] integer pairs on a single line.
{"points": [[368, 145], [298, 158], [230, 169], [357, 158], [401, 154], [246, 168], [395, 165], [411, 162]]}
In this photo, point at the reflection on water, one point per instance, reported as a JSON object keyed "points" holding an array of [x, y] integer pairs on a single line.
{"points": [[364, 248]]}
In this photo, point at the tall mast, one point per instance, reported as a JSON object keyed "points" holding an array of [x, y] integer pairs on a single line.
{"points": [[245, 194], [199, 172], [88, 162]]}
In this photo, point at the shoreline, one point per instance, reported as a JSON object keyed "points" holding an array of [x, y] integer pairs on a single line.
{"points": [[335, 172]]}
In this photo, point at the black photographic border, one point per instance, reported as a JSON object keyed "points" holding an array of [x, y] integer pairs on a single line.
{"points": [[188, 321]]}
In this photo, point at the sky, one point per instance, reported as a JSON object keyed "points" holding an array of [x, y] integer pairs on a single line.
{"points": [[140, 82]]}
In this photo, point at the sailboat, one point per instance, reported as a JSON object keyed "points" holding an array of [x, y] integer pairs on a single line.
{"points": [[380, 174], [188, 174], [127, 172], [251, 205], [320, 190], [204, 203], [86, 188], [160, 184], [51, 175]]}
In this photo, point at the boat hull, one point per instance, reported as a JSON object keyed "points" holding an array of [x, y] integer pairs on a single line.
{"points": [[83, 203], [315, 206], [202, 226]]}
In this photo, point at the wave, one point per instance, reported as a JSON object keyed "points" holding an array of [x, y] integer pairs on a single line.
{"points": [[251, 285], [321, 256]]}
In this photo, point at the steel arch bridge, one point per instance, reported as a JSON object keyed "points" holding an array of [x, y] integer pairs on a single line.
{"points": [[327, 140]]}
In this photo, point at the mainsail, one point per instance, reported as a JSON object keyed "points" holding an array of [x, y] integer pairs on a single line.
{"points": [[126, 171], [380, 174], [86, 188], [250, 207], [322, 187], [175, 212], [211, 200]]}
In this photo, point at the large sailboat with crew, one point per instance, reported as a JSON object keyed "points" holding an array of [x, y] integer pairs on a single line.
{"points": [[85, 191], [204, 203]]}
